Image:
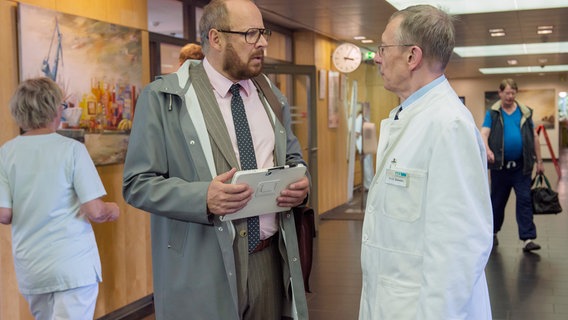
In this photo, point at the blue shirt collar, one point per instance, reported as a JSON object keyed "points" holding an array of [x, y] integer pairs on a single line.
{"points": [[422, 91]]}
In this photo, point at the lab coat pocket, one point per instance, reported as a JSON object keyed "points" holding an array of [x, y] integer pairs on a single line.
{"points": [[403, 201], [397, 299]]}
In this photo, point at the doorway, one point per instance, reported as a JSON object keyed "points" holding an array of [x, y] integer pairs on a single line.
{"points": [[298, 84]]}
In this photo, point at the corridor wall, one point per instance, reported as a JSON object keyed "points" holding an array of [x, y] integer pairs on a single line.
{"points": [[124, 245]]}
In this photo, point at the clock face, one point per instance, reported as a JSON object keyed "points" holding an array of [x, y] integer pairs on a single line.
{"points": [[346, 57]]}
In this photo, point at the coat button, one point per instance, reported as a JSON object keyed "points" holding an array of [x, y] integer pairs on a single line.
{"points": [[192, 142], [220, 228], [243, 233]]}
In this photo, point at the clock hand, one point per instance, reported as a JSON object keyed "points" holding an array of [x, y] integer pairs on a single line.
{"points": [[348, 58]]}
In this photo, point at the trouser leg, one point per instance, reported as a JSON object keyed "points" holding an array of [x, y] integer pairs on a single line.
{"points": [[41, 305], [265, 290], [77, 304], [500, 191], [525, 221]]}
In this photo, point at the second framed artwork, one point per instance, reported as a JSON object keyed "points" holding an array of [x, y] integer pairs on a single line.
{"points": [[322, 83]]}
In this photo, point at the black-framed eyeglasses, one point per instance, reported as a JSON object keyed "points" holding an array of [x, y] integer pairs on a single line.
{"points": [[381, 48], [252, 35]]}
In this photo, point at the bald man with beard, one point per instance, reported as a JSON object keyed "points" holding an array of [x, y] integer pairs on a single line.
{"points": [[184, 150]]}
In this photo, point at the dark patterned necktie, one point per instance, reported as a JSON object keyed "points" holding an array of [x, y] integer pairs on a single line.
{"points": [[246, 155], [396, 115]]}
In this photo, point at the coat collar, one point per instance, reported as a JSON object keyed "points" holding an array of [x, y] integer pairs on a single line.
{"points": [[525, 110]]}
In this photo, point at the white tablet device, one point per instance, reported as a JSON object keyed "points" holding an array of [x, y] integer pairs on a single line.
{"points": [[267, 185]]}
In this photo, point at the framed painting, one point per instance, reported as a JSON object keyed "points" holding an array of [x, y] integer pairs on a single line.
{"points": [[333, 100], [97, 65]]}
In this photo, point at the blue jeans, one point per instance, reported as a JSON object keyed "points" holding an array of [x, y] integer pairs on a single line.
{"points": [[502, 181]]}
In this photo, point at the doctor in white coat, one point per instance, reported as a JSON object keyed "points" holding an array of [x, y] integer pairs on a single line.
{"points": [[427, 233]]}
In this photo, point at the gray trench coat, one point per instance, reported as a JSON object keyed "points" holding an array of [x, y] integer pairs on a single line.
{"points": [[167, 173]]}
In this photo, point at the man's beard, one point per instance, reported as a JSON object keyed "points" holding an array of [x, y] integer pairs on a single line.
{"points": [[233, 65]]}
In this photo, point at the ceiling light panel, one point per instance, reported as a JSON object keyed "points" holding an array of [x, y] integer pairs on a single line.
{"points": [[479, 6], [531, 69], [512, 49]]}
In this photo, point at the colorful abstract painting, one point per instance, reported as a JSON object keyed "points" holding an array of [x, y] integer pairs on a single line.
{"points": [[97, 64]]}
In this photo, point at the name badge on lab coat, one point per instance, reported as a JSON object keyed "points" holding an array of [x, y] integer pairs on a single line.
{"points": [[397, 178]]}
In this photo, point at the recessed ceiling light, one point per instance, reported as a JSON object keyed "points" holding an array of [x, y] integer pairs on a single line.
{"points": [[542, 60], [458, 7], [530, 69], [512, 62], [367, 41], [512, 49], [498, 34], [359, 37], [544, 29]]}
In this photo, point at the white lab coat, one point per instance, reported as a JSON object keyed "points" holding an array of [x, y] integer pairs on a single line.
{"points": [[425, 245]]}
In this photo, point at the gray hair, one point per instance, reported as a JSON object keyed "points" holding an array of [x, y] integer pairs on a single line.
{"points": [[35, 102], [429, 28], [508, 82], [215, 16]]}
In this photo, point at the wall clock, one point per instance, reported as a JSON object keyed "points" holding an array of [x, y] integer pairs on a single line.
{"points": [[346, 57]]}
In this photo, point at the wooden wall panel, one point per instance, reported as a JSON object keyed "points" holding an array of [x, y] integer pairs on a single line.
{"points": [[9, 63], [12, 306], [124, 245], [277, 47]]}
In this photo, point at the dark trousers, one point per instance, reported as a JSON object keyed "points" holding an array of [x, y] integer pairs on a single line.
{"points": [[502, 181], [264, 287]]}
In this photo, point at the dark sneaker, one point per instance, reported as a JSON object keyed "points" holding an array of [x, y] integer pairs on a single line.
{"points": [[531, 246], [495, 240]]}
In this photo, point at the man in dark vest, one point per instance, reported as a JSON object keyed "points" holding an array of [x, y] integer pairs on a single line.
{"points": [[512, 149]]}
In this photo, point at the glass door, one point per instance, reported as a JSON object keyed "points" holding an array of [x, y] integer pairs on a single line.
{"points": [[298, 84]]}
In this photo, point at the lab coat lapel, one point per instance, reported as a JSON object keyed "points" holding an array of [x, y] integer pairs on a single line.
{"points": [[389, 135]]}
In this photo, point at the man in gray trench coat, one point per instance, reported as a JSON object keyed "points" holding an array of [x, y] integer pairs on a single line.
{"points": [[181, 155]]}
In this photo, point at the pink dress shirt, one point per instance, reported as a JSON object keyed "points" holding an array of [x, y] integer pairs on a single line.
{"points": [[260, 128]]}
